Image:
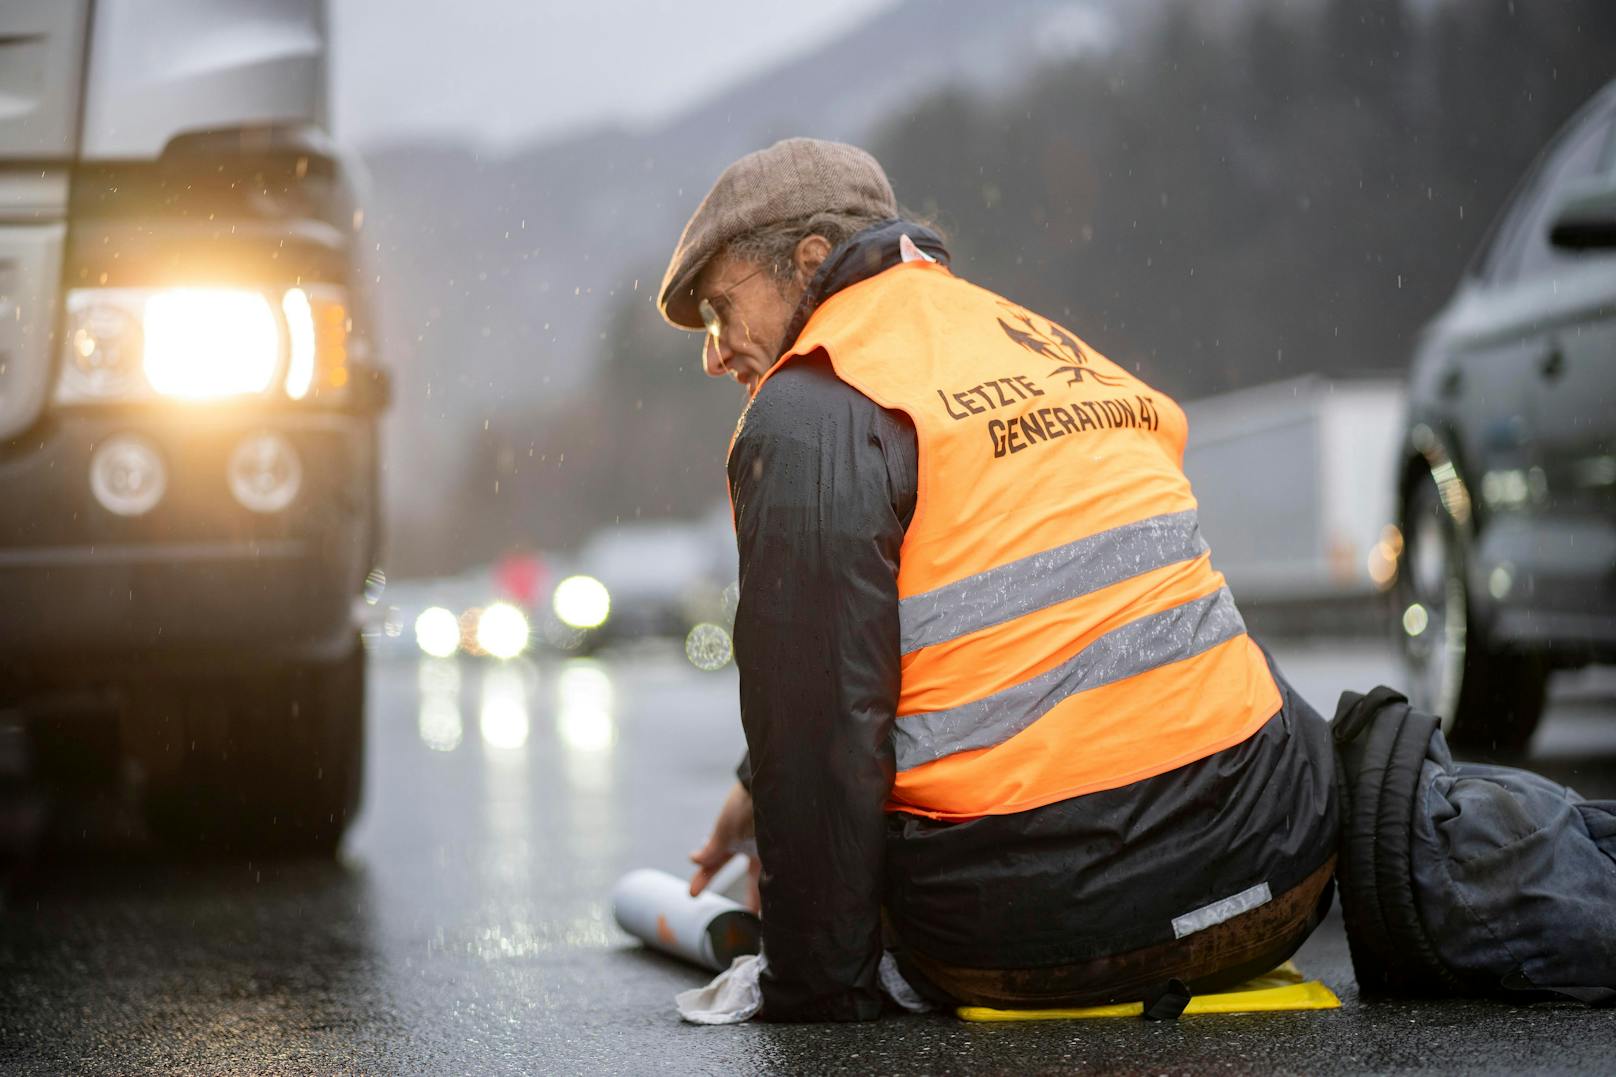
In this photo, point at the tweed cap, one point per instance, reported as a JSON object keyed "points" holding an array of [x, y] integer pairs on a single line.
{"points": [[795, 178]]}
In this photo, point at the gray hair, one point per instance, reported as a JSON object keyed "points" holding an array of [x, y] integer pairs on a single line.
{"points": [[773, 245]]}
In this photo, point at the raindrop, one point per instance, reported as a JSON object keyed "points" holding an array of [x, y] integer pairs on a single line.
{"points": [[708, 647]]}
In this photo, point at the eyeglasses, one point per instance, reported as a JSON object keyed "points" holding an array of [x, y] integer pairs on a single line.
{"points": [[709, 314]]}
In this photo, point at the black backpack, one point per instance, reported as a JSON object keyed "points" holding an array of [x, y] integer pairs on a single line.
{"points": [[1467, 879]]}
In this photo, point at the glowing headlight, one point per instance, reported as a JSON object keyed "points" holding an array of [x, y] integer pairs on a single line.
{"points": [[203, 343], [300, 334], [582, 602], [210, 342], [437, 632], [502, 630]]}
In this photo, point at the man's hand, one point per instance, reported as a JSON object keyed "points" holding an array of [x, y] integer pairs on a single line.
{"points": [[733, 827]]}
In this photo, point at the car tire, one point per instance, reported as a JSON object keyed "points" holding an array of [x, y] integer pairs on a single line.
{"points": [[1489, 699], [272, 763]]}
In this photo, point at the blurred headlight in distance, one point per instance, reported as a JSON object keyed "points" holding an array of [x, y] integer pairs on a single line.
{"points": [[127, 475], [582, 602], [1384, 556], [203, 343], [300, 335], [264, 472], [437, 632], [502, 630], [1416, 620]]}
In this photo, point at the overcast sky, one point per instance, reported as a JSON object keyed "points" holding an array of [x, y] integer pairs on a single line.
{"points": [[501, 72]]}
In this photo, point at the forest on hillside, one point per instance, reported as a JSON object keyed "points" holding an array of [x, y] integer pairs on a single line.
{"points": [[1293, 192]]}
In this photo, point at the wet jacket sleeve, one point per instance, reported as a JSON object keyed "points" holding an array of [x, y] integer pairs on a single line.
{"points": [[823, 485]]}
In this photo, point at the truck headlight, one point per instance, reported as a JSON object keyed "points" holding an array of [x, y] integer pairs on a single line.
{"points": [[202, 343], [103, 351]]}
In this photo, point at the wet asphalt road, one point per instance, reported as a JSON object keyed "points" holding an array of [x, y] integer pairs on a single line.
{"points": [[464, 928]]}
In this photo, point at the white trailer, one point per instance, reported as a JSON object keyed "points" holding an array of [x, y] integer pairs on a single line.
{"points": [[1295, 481]]}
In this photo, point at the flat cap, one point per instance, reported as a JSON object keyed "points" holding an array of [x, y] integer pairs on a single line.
{"points": [[794, 178]]}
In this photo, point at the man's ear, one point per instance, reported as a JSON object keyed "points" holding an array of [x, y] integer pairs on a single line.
{"points": [[810, 254]]}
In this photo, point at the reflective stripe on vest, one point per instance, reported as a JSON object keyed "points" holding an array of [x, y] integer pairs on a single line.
{"points": [[1032, 583], [1062, 627], [1137, 647]]}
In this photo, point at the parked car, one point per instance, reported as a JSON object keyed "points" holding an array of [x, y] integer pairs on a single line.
{"points": [[1507, 485], [188, 412]]}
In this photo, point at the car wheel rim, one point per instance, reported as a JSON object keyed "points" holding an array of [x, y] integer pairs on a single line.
{"points": [[1436, 652]]}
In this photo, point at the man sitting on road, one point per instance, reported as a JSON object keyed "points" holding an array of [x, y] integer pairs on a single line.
{"points": [[991, 684]]}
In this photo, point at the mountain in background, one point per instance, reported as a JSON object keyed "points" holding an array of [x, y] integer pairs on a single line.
{"points": [[1213, 195], [496, 274]]}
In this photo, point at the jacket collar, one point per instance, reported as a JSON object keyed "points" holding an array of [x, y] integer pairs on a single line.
{"points": [[867, 253]]}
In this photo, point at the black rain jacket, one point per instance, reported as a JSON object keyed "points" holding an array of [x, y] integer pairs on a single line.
{"points": [[823, 485]]}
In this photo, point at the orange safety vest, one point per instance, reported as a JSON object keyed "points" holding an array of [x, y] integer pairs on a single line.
{"points": [[1063, 629]]}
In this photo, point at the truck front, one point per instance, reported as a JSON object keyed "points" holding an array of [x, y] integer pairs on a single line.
{"points": [[188, 460]]}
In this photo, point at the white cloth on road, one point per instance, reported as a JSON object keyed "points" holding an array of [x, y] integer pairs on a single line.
{"points": [[734, 995]]}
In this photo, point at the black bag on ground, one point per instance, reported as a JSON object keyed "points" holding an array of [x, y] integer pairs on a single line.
{"points": [[1460, 878]]}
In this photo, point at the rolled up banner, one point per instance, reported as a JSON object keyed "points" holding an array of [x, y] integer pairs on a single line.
{"points": [[708, 930]]}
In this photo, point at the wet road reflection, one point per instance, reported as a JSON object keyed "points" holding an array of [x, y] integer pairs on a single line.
{"points": [[586, 727], [502, 713], [438, 684], [465, 928], [466, 924]]}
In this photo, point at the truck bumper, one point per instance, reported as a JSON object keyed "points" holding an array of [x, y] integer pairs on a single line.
{"points": [[198, 582]]}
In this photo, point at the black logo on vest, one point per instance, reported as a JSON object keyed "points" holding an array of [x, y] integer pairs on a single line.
{"points": [[1056, 345], [1024, 420]]}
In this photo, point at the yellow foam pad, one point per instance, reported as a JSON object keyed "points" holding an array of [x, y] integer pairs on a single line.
{"points": [[1282, 989]]}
